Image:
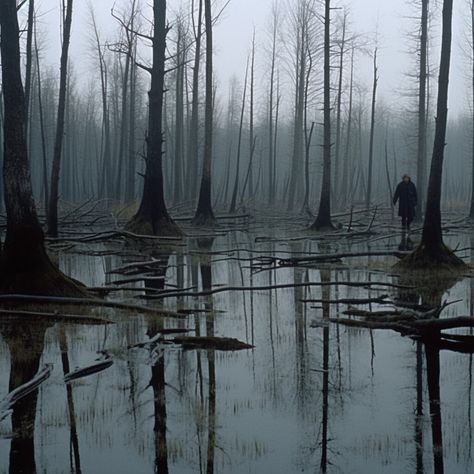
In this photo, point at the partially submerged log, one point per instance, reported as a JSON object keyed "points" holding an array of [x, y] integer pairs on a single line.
{"points": [[98, 366], [23, 390], [211, 342]]}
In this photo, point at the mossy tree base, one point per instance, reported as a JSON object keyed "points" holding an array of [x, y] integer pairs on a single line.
{"points": [[25, 267], [426, 259], [144, 225], [204, 219]]}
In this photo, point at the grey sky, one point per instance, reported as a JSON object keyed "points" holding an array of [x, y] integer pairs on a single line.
{"points": [[234, 32]]}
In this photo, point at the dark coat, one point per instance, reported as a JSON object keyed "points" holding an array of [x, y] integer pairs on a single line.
{"points": [[407, 199]]}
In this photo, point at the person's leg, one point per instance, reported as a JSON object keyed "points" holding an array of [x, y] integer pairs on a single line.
{"points": [[404, 222]]}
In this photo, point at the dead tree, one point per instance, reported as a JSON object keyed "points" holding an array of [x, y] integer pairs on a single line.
{"points": [[52, 216], [233, 201], [422, 123], [152, 217], [323, 220], [471, 53], [29, 59], [204, 214], [432, 250], [368, 196], [24, 266], [193, 145]]}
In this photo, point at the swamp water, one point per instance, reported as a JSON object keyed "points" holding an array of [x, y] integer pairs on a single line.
{"points": [[311, 396]]}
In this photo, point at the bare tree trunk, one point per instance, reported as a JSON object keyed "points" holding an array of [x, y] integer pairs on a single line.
{"points": [[152, 217], [131, 168], [432, 250], [29, 61], [239, 145], [193, 147], [345, 172], [337, 155], [42, 125], [323, 220], [25, 266], [471, 7], [251, 128], [271, 186], [52, 217], [204, 214], [368, 196], [421, 145]]}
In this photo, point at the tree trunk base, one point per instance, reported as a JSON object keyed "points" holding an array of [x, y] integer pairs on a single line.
{"points": [[204, 219], [27, 269], [144, 225], [320, 226], [428, 259]]}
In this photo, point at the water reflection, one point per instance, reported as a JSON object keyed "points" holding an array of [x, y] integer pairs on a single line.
{"points": [[304, 400], [26, 344]]}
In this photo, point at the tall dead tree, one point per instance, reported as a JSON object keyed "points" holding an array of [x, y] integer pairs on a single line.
{"points": [[193, 145], [323, 219], [422, 122], [271, 100], [432, 251], [368, 195], [233, 201], [204, 213], [152, 217], [29, 59], [471, 54], [24, 264], [52, 214]]}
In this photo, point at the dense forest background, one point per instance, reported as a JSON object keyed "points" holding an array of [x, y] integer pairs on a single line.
{"points": [[267, 121]]}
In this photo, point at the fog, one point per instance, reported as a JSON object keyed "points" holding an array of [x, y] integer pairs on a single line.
{"points": [[389, 21]]}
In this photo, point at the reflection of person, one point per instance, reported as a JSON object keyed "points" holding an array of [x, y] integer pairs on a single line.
{"points": [[407, 199]]}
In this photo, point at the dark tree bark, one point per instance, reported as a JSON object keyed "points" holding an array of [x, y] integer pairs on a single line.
{"points": [[432, 251], [193, 147], [204, 213], [368, 196], [471, 12], [421, 145], [152, 217], [233, 201], [25, 266], [323, 220], [29, 60], [52, 217]]}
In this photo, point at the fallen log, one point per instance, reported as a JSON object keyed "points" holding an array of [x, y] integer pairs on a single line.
{"points": [[23, 390], [173, 294], [98, 366], [211, 342], [18, 298]]}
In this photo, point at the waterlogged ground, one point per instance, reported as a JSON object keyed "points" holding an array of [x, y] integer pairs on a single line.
{"points": [[311, 396]]}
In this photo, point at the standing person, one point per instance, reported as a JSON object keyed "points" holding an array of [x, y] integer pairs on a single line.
{"points": [[407, 199]]}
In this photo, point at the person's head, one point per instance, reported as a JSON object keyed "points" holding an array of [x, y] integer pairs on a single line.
{"points": [[406, 178]]}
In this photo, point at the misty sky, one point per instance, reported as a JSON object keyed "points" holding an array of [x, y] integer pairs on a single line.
{"points": [[234, 32]]}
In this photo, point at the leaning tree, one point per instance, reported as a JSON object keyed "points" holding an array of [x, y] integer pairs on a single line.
{"points": [[152, 217], [432, 251], [24, 264]]}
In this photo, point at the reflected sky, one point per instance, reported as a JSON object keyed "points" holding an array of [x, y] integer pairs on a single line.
{"points": [[306, 399]]}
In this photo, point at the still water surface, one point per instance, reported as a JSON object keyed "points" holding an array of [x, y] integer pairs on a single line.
{"points": [[310, 397]]}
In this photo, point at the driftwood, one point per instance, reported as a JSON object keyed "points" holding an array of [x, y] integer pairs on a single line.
{"points": [[98, 366], [56, 316], [23, 390], [222, 289], [14, 298], [356, 301], [323, 258], [208, 342]]}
